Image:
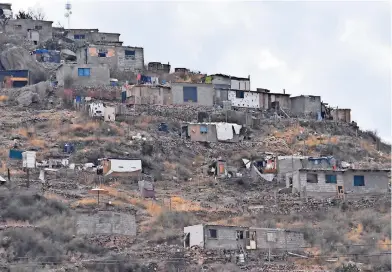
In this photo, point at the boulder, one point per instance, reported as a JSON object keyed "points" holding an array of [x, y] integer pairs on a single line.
{"points": [[18, 58]]}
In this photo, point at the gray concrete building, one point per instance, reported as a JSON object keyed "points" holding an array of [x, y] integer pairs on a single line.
{"points": [[270, 100], [193, 94], [158, 67], [144, 94], [328, 182], [34, 30], [106, 222], [121, 58], [212, 132], [92, 36], [308, 105], [275, 239], [83, 75], [235, 237]]}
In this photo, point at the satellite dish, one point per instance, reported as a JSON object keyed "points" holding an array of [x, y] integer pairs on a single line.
{"points": [[66, 15]]}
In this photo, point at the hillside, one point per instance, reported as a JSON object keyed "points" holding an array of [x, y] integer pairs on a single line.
{"points": [[184, 195]]}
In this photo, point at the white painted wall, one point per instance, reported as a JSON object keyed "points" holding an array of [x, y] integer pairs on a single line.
{"points": [[224, 131], [110, 114], [125, 165], [29, 158], [97, 110], [196, 237], [250, 100]]}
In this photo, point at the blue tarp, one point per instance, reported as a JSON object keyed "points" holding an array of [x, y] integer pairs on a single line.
{"points": [[41, 51], [44, 55], [124, 96], [16, 154], [78, 99], [68, 148]]}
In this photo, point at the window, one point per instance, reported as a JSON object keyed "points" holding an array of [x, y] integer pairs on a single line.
{"points": [[312, 98], [212, 234], [85, 72], [17, 26], [103, 38], [311, 178], [190, 94], [239, 94], [240, 234], [203, 129], [79, 36], [129, 54], [359, 181], [330, 179], [38, 27]]}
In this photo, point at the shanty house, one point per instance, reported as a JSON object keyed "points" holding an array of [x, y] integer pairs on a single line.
{"points": [[244, 98], [308, 105], [121, 167], [341, 115], [14, 78], [212, 132], [327, 182], [83, 75], [276, 101], [275, 239], [236, 237], [192, 94], [122, 58], [142, 94], [215, 237], [224, 83], [34, 30]]}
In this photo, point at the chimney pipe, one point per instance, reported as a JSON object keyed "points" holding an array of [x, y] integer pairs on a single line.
{"points": [[284, 91]]}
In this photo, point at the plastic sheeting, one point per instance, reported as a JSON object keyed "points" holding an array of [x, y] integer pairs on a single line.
{"points": [[224, 131]]}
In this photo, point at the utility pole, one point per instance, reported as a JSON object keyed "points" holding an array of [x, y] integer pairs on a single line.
{"points": [[28, 178]]}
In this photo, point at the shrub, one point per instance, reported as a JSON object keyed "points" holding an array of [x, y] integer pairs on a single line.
{"points": [[27, 207], [183, 172], [174, 219]]}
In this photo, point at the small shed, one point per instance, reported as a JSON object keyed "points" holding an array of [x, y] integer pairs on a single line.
{"points": [[29, 159], [146, 189]]}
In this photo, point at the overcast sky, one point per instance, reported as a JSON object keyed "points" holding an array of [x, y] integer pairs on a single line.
{"points": [[339, 50]]}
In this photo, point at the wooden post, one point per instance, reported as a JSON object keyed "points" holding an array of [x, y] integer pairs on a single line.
{"points": [[28, 178]]}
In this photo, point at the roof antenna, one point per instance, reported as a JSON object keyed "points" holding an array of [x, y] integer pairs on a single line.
{"points": [[68, 13]]}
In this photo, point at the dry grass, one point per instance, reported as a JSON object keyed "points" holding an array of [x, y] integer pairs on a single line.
{"points": [[3, 98], [385, 244], [85, 127], [84, 202], [38, 142], [23, 132], [356, 233], [57, 197]]}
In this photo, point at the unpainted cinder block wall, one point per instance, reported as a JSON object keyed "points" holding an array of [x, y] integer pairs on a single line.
{"points": [[99, 75], [375, 182], [283, 239], [226, 238], [105, 222]]}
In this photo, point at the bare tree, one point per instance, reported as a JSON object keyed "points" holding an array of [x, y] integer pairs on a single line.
{"points": [[37, 14], [23, 15], [4, 19]]}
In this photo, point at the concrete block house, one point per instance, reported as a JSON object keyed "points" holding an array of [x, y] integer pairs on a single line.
{"points": [[217, 237], [83, 75], [306, 105], [329, 182], [192, 94]]}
